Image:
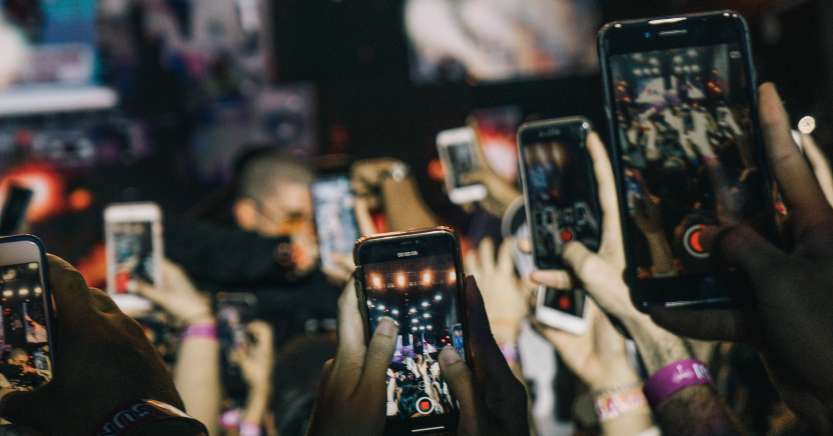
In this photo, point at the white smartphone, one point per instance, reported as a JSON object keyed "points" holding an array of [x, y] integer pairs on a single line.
{"points": [[26, 315], [133, 234], [458, 158], [561, 309]]}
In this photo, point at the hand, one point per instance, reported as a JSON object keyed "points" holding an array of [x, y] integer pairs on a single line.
{"points": [[598, 357], [177, 295], [367, 177], [304, 253], [353, 383], [503, 294], [492, 400], [500, 193], [102, 360], [256, 360], [790, 322]]}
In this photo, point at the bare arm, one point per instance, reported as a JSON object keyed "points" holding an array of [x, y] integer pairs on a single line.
{"points": [[404, 207], [197, 377]]}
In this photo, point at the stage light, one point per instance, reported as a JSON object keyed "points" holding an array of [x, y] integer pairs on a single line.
{"points": [[429, 327], [412, 310], [438, 297], [370, 304], [414, 328], [425, 304], [421, 328], [8, 293], [426, 315], [414, 320], [376, 281], [394, 312], [23, 292], [401, 280], [452, 277], [381, 307], [37, 291], [9, 274], [32, 266], [427, 278]]}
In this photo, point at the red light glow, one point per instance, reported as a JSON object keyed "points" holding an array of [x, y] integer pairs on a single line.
{"points": [[47, 188]]}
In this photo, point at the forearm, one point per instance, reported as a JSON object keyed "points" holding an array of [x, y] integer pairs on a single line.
{"points": [[256, 405], [404, 207], [197, 377], [695, 410], [633, 422], [661, 256]]}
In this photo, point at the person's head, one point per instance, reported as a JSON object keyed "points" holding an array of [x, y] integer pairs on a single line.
{"points": [[18, 357], [273, 195]]}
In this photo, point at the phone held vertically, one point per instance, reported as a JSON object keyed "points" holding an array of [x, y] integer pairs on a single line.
{"points": [[26, 319], [416, 279], [133, 234], [559, 188], [682, 109], [335, 217], [234, 313], [459, 160]]}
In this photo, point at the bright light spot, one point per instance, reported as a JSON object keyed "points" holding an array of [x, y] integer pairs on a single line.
{"points": [[414, 320], [427, 277], [426, 315], [414, 328], [401, 280], [421, 327], [807, 125], [37, 290], [381, 307], [376, 281], [370, 304], [429, 327], [425, 304], [394, 312], [452, 276], [412, 310], [438, 297], [8, 293], [23, 292], [32, 266]]}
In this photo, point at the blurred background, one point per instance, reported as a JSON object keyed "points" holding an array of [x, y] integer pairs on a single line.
{"points": [[123, 100]]}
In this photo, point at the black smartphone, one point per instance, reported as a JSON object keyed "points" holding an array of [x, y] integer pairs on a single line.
{"points": [[559, 188], [26, 314], [682, 109], [14, 210], [415, 278], [335, 217], [234, 313]]}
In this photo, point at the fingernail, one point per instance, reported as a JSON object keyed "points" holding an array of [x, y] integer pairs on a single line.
{"points": [[449, 355], [387, 326]]}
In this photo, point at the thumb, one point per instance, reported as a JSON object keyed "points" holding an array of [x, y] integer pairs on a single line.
{"points": [[585, 264], [149, 291], [459, 379]]}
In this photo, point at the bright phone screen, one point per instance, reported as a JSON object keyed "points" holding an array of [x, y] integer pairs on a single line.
{"points": [[561, 195], [132, 254], [234, 313], [24, 339], [462, 160], [421, 295], [335, 218], [684, 127]]}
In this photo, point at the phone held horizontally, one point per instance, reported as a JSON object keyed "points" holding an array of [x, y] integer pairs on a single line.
{"points": [[682, 104], [415, 278]]}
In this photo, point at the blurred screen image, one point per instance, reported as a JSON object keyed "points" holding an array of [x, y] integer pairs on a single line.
{"points": [[684, 127], [234, 313], [335, 218], [24, 338], [496, 40], [460, 160], [570, 302], [132, 254], [421, 296]]}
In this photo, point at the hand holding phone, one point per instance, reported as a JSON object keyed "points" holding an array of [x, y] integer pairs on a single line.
{"points": [[460, 160]]}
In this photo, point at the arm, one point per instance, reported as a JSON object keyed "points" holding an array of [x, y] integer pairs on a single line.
{"points": [[404, 207], [256, 361]]}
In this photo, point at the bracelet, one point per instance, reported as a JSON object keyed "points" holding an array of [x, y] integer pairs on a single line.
{"points": [[675, 377], [249, 429], [206, 330], [144, 412], [611, 404]]}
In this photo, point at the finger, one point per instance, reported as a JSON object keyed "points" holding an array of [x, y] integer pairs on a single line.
{"points": [[377, 360], [460, 382], [525, 245], [363, 218], [505, 263], [486, 251], [602, 169], [150, 292], [102, 302], [70, 292], [714, 324], [472, 264], [743, 247], [556, 279], [351, 343], [820, 165], [563, 342], [798, 185]]}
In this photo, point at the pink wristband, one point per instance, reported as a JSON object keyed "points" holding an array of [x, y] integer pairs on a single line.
{"points": [[675, 377], [201, 330], [510, 353], [249, 429]]}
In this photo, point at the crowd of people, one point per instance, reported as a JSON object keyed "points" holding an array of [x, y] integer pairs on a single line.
{"points": [[250, 333]]}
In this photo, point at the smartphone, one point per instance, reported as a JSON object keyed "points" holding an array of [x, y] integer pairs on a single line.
{"points": [[559, 188], [234, 313], [335, 217], [26, 315], [416, 278], [14, 210], [133, 235], [459, 159], [681, 101]]}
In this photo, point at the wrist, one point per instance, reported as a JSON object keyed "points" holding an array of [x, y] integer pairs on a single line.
{"points": [[201, 329], [201, 317], [615, 377]]}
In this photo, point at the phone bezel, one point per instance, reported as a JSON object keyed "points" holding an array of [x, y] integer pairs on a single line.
{"points": [[315, 205], [126, 213], [558, 319], [362, 255], [20, 249], [711, 28], [450, 138], [531, 128]]}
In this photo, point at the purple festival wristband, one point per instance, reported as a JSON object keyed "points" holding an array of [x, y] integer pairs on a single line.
{"points": [[675, 377], [201, 330]]}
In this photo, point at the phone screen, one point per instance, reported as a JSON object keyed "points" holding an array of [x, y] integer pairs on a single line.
{"points": [[335, 217], [684, 127], [560, 189], [570, 302], [234, 313], [421, 295], [133, 254], [461, 159], [24, 338]]}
